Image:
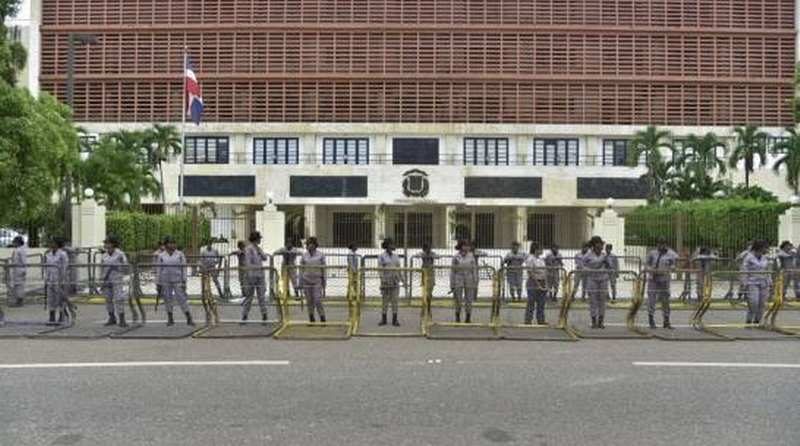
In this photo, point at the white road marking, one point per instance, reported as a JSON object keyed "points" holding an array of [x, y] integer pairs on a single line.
{"points": [[80, 365], [718, 364], [434, 361]]}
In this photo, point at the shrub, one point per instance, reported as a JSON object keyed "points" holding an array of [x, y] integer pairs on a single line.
{"points": [[141, 232]]}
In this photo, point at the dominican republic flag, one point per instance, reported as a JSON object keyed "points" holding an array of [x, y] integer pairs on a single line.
{"points": [[194, 97]]}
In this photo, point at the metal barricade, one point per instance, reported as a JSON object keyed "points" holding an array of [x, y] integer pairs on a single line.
{"points": [[378, 303], [472, 307], [604, 321], [782, 314]]}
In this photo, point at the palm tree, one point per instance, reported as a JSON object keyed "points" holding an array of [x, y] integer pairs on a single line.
{"points": [[163, 142], [788, 152], [704, 152], [750, 142], [689, 176], [649, 143]]}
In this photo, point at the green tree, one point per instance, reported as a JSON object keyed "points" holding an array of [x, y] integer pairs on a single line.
{"points": [[703, 152], [649, 143], [750, 143], [163, 142], [12, 54], [788, 152]]}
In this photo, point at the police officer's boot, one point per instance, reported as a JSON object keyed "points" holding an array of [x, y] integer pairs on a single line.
{"points": [[458, 316], [594, 322], [652, 321], [468, 319], [383, 320], [667, 325], [112, 320], [395, 322], [264, 317], [244, 319], [170, 319], [61, 316], [600, 322], [52, 320], [189, 320], [322, 318], [121, 319]]}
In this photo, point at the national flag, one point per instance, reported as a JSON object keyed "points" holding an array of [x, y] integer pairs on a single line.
{"points": [[194, 97]]}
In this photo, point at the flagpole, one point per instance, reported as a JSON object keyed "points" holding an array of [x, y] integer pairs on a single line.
{"points": [[183, 129]]}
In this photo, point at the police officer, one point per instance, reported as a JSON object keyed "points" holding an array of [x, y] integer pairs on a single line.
{"points": [[210, 262], [464, 279], [659, 265], [703, 261], [536, 285], [353, 259], [595, 278], [240, 271], [390, 280], [114, 268], [757, 280], [289, 254], [56, 264], [613, 262], [312, 279], [428, 258], [554, 263], [255, 276], [739, 261], [17, 273], [513, 262], [172, 277], [787, 258], [580, 279]]}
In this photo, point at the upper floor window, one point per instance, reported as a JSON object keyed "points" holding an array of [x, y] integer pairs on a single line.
{"points": [[206, 150], [556, 152], [86, 142], [345, 151], [486, 151], [615, 152], [773, 141], [276, 151]]}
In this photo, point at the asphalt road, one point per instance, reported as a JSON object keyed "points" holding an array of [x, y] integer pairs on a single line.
{"points": [[397, 391]]}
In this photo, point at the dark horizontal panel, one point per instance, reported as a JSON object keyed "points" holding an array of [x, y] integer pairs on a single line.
{"points": [[621, 188], [415, 151], [219, 186], [327, 186], [503, 187]]}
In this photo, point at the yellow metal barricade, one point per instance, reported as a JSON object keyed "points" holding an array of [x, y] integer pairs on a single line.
{"points": [[373, 296], [470, 309]]}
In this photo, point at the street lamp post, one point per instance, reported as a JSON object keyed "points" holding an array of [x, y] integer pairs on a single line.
{"points": [[82, 39]]}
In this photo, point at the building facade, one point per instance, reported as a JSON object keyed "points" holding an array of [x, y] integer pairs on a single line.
{"points": [[495, 120]]}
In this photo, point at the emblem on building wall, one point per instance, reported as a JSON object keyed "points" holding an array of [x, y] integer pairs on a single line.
{"points": [[416, 184]]}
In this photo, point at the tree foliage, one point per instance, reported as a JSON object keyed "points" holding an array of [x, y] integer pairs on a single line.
{"points": [[650, 143], [141, 232], [12, 54], [751, 148], [788, 161]]}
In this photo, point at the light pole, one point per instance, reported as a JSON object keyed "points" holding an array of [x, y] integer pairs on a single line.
{"points": [[82, 39]]}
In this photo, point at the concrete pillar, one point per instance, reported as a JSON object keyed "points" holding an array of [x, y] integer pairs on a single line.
{"points": [[521, 225], [379, 231], [311, 220], [88, 223], [449, 226], [271, 223], [789, 225], [611, 227]]}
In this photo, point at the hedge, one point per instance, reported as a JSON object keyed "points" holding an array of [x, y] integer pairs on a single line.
{"points": [[724, 224], [142, 232]]}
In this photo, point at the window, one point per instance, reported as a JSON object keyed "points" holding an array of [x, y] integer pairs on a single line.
{"points": [[276, 151], [615, 152], [486, 151], [415, 151], [345, 151], [206, 150], [478, 227], [87, 143], [541, 228], [555, 152], [420, 229], [773, 141], [352, 227]]}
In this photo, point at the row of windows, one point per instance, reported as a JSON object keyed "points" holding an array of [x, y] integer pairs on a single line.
{"points": [[356, 151]]}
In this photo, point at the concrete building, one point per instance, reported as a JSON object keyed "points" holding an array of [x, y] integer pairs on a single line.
{"points": [[424, 121]]}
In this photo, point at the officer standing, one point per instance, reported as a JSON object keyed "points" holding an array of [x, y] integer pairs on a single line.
{"points": [[464, 279], [704, 262], [56, 264], [554, 263], [239, 254], [172, 276], [428, 258], [254, 259], [757, 280], [18, 265], [210, 262], [513, 262], [580, 279], [613, 262], [289, 254], [536, 285], [312, 279], [353, 259], [659, 266], [114, 268], [787, 258], [391, 279], [595, 273]]}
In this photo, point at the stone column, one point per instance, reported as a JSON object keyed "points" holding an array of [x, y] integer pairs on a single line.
{"points": [[379, 232], [449, 227], [789, 225], [88, 223], [271, 223], [521, 225], [311, 220], [611, 227]]}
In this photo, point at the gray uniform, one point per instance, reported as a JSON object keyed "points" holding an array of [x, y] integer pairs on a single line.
{"points": [[704, 264], [390, 280], [428, 262], [613, 264], [580, 279], [255, 278], [553, 262], [313, 281], [659, 278], [210, 263], [537, 289], [172, 278], [353, 262], [56, 275], [289, 257], [739, 260], [18, 264], [513, 262], [464, 281], [113, 272], [595, 281], [757, 285], [787, 261]]}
